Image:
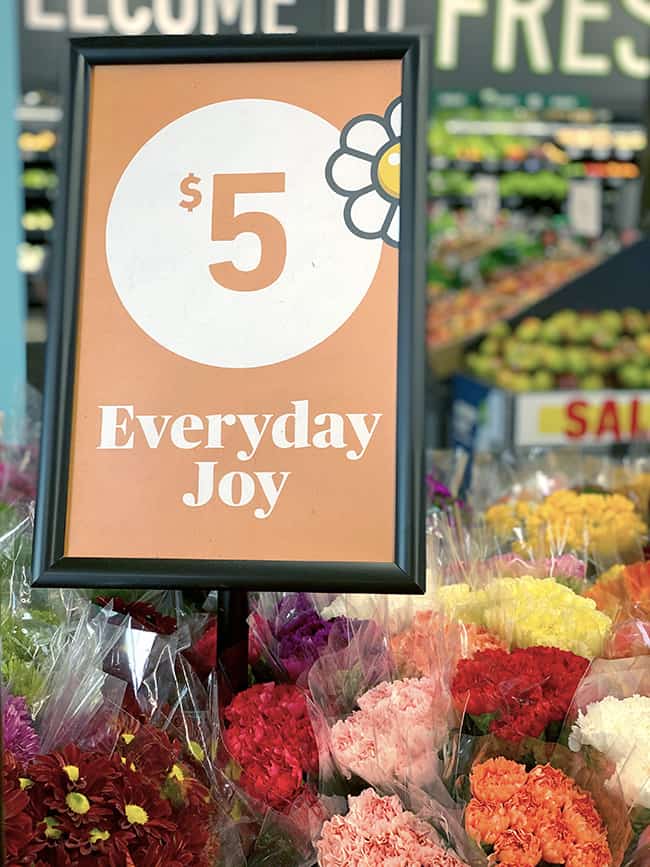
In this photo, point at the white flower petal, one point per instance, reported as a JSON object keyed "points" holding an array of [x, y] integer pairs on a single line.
{"points": [[368, 212], [351, 173], [392, 232], [367, 136], [395, 119]]}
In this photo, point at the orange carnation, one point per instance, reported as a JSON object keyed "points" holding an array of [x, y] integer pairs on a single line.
{"points": [[516, 849], [589, 855], [495, 781], [583, 820], [523, 812], [557, 839], [549, 787], [485, 822]]}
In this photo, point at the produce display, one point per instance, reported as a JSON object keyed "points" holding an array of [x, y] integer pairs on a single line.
{"points": [[459, 317], [568, 350], [501, 718]]}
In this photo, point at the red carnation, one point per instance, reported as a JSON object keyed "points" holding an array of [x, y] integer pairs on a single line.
{"points": [[524, 691], [269, 733]]}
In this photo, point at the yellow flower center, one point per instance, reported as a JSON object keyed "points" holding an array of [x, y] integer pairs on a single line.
{"points": [[136, 815], [51, 831], [176, 773], [25, 783], [72, 772], [96, 835], [78, 803], [127, 737], [388, 171], [196, 750]]}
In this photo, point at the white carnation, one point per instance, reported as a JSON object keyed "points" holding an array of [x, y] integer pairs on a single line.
{"points": [[620, 729]]}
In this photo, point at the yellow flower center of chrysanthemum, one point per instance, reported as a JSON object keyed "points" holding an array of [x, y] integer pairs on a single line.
{"points": [[96, 835], [78, 803], [127, 737], [72, 772], [123, 760], [136, 815], [51, 830], [388, 171], [176, 773], [25, 783], [196, 750]]}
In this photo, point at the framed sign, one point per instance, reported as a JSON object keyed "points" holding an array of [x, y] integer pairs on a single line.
{"points": [[236, 354]]}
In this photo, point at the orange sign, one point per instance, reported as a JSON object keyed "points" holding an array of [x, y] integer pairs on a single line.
{"points": [[235, 380]]}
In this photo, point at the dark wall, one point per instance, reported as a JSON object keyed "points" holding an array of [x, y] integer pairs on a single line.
{"points": [[604, 60]]}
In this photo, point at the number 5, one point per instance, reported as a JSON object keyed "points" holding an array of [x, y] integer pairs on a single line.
{"points": [[226, 226]]}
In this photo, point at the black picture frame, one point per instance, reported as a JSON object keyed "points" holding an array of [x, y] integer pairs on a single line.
{"points": [[406, 574]]}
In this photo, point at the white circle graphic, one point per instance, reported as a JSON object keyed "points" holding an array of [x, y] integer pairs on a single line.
{"points": [[159, 254]]}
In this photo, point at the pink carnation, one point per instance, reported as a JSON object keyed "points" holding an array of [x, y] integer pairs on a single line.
{"points": [[396, 732], [379, 832]]}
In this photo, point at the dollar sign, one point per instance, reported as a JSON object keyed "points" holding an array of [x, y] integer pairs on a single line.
{"points": [[187, 189]]}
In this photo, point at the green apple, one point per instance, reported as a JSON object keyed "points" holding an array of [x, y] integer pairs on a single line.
{"points": [[633, 321], [611, 320], [500, 330], [489, 346], [550, 332], [586, 327], [598, 361], [604, 339], [631, 376], [592, 382], [577, 361], [529, 329], [543, 380]]}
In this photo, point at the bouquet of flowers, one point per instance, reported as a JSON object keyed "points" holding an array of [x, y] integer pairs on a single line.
{"points": [[529, 818], [527, 612], [380, 830], [535, 802], [142, 803], [611, 714], [518, 694], [268, 734], [292, 634], [395, 732], [413, 647]]}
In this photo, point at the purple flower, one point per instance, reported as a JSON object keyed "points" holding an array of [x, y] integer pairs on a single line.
{"points": [[18, 728], [302, 634], [439, 495]]}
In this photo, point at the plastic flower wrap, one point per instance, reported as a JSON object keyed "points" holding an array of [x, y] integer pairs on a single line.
{"points": [[526, 612], [527, 818], [538, 803], [268, 733], [378, 831], [143, 803], [623, 588], [602, 527], [412, 648], [18, 734], [395, 732], [524, 693], [611, 714], [292, 634]]}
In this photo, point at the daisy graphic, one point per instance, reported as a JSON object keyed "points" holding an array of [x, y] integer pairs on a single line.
{"points": [[366, 170]]}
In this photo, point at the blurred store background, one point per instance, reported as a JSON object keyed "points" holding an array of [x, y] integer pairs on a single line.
{"points": [[539, 270]]}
